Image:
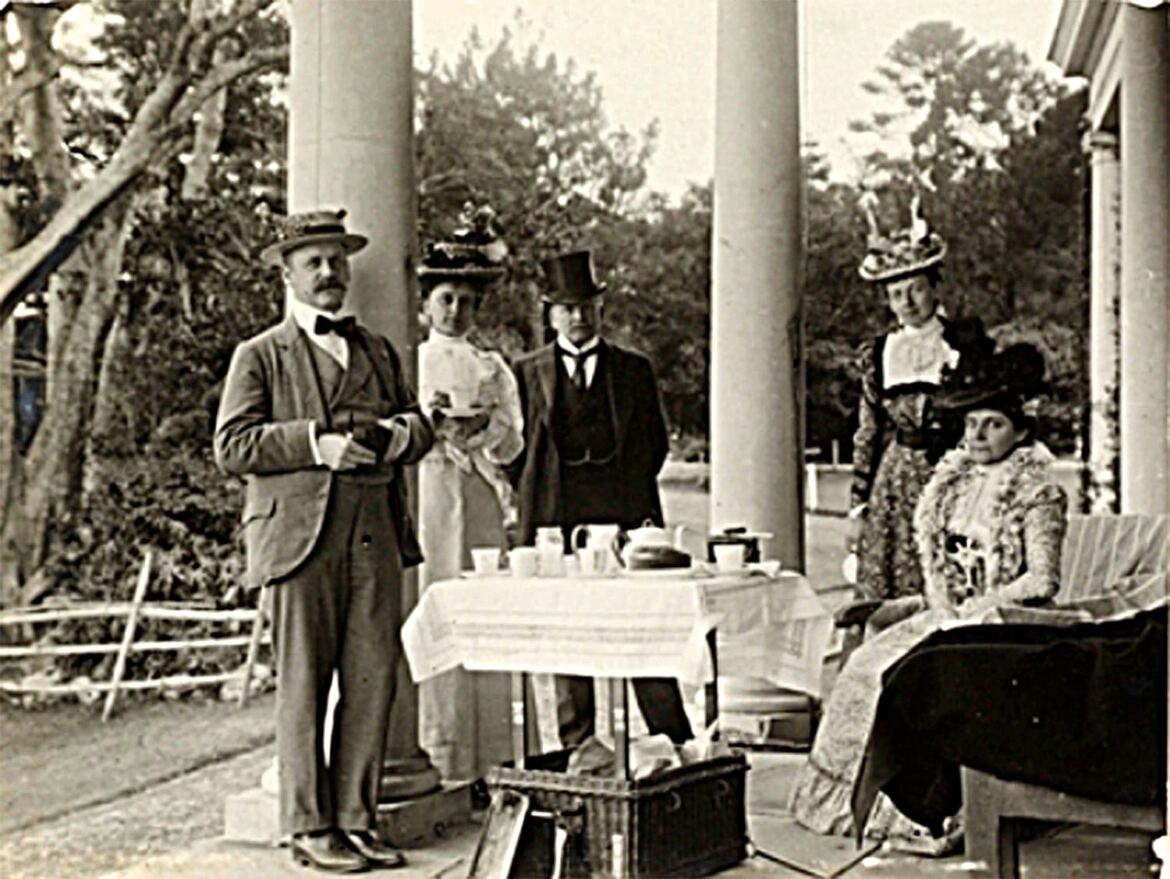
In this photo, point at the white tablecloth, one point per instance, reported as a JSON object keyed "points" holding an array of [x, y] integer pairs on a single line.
{"points": [[772, 627]]}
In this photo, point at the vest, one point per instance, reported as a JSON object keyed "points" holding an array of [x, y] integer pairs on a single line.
{"points": [[583, 422], [583, 429], [355, 398]]}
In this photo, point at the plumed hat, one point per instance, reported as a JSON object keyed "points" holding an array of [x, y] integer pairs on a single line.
{"points": [[571, 279], [903, 253], [1004, 380], [311, 227], [475, 252]]}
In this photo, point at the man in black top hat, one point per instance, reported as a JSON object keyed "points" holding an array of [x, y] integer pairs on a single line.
{"points": [[594, 441], [318, 418]]}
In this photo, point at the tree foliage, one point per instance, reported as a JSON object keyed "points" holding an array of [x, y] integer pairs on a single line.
{"points": [[991, 146]]}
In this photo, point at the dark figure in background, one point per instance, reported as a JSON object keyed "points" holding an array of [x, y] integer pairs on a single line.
{"points": [[900, 433], [318, 418], [594, 441]]}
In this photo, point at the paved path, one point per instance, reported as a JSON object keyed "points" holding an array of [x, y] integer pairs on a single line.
{"points": [[160, 815]]}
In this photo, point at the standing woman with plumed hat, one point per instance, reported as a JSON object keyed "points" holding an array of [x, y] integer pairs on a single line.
{"points": [[900, 435]]}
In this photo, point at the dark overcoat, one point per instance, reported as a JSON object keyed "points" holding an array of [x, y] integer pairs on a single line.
{"points": [[639, 426]]}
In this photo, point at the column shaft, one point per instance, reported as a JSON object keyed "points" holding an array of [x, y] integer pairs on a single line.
{"points": [[1145, 257], [757, 387], [1105, 268], [351, 145]]}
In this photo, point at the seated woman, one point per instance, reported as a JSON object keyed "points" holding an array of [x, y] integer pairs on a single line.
{"points": [[989, 527]]}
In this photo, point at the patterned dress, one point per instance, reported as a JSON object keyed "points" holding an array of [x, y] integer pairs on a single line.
{"points": [[898, 439], [987, 537]]}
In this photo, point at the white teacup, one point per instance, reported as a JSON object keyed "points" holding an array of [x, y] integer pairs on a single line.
{"points": [[522, 561], [486, 560], [730, 556], [462, 396]]}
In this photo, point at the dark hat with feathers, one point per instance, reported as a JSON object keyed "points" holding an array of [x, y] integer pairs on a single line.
{"points": [[1003, 380], [475, 252]]}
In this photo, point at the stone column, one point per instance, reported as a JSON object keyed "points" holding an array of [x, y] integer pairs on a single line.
{"points": [[757, 387], [351, 145], [1105, 268], [1145, 256]]}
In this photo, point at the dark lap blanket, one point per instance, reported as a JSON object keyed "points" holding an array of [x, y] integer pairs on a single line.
{"points": [[1081, 709]]}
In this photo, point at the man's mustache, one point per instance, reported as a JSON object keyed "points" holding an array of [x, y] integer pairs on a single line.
{"points": [[329, 285]]}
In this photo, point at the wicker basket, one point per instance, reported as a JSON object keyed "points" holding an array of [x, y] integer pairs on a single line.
{"points": [[689, 821]]}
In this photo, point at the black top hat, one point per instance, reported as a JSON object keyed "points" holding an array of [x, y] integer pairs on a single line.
{"points": [[571, 278], [475, 253], [311, 227], [1003, 380]]}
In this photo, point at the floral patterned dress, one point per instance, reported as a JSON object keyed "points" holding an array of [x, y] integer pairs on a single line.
{"points": [[897, 442], [988, 536]]}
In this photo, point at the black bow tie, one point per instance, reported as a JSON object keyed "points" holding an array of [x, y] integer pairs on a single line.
{"points": [[344, 327]]}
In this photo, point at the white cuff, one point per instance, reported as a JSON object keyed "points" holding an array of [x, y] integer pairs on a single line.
{"points": [[313, 444], [399, 436]]}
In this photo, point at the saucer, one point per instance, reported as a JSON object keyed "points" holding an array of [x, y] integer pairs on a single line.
{"points": [[462, 411]]}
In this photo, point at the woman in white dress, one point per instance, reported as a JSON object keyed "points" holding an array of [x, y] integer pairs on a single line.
{"points": [[465, 500]]}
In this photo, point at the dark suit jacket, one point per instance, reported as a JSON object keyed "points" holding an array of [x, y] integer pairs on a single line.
{"points": [[262, 433], [639, 426]]}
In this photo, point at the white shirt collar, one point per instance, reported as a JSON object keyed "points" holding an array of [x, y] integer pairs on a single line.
{"points": [[306, 316], [563, 342], [437, 338], [571, 363], [933, 324]]}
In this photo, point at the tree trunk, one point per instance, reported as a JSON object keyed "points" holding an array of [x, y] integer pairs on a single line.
{"points": [[41, 123], [8, 240], [55, 462], [209, 121]]}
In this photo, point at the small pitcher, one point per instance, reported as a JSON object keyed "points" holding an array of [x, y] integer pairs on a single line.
{"points": [[601, 543]]}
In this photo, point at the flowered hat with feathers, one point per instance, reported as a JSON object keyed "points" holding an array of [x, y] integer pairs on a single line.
{"points": [[902, 253], [476, 251]]}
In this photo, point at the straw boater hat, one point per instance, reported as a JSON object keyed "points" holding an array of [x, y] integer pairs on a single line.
{"points": [[311, 227], [904, 253], [571, 278], [476, 252]]}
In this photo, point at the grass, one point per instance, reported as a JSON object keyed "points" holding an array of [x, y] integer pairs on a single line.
{"points": [[62, 759]]}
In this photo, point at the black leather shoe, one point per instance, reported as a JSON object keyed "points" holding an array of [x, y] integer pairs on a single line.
{"points": [[327, 850], [378, 853]]}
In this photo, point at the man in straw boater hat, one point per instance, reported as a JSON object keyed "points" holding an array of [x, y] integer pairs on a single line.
{"points": [[318, 418], [594, 440]]}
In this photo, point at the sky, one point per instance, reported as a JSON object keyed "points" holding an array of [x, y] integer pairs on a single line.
{"points": [[655, 59]]}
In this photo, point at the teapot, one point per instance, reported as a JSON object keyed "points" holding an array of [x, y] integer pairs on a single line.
{"points": [[651, 535]]}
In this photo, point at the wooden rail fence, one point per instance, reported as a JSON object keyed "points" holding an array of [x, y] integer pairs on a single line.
{"points": [[135, 610]]}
